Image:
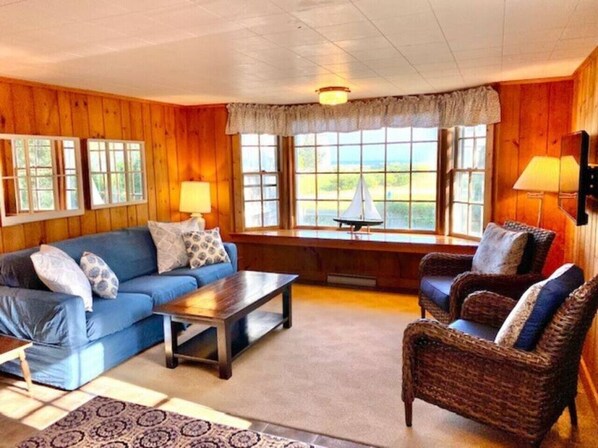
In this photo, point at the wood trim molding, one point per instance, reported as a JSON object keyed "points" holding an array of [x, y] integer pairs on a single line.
{"points": [[589, 386]]}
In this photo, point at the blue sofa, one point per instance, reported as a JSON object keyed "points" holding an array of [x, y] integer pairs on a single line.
{"points": [[72, 346]]}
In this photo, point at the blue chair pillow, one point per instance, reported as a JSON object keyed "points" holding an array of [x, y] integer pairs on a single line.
{"points": [[526, 322]]}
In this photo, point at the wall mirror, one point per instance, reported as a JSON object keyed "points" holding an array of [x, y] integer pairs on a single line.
{"points": [[116, 172], [41, 178]]}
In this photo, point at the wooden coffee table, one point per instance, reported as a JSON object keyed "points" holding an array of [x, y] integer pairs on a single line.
{"points": [[229, 307], [13, 348]]}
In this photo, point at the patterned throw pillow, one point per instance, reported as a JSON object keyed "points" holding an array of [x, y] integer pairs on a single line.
{"points": [[102, 279], [526, 322], [500, 251], [205, 247], [168, 238], [60, 273]]}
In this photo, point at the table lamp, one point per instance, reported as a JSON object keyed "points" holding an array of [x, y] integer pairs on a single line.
{"points": [[195, 199], [541, 175]]}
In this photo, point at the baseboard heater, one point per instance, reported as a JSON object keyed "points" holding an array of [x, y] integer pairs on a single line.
{"points": [[354, 280]]}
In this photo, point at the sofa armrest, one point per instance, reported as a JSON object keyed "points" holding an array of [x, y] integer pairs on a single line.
{"points": [[43, 316], [231, 250], [488, 308]]}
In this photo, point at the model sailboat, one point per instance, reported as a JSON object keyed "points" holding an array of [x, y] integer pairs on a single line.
{"points": [[361, 212]]}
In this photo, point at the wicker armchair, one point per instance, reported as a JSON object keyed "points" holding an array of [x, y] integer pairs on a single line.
{"points": [[446, 280], [520, 392]]}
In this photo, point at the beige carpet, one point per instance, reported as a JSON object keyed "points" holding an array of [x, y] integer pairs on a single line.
{"points": [[336, 372]]}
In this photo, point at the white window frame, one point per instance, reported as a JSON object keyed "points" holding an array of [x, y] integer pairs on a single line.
{"points": [[109, 203], [32, 215]]}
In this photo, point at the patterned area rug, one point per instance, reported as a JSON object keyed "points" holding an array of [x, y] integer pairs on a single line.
{"points": [[107, 423]]}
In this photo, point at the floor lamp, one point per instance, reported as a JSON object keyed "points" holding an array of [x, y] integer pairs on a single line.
{"points": [[541, 175]]}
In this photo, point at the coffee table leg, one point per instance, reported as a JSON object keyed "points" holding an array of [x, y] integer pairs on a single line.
{"points": [[224, 351], [287, 307], [170, 343], [25, 369]]}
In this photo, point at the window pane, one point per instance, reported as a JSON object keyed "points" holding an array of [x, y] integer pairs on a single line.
{"points": [[327, 186], [480, 130], [398, 157], [253, 214], [349, 138], [252, 194], [118, 190], [326, 138], [305, 140], [135, 160], [423, 186], [305, 161], [425, 134], [270, 192], [327, 159], [461, 186], [72, 200], [397, 215], [425, 156], [269, 179], [268, 154], [347, 183], [459, 215], [375, 184], [268, 140], [397, 186], [398, 134], [477, 187], [374, 136], [423, 215], [475, 220], [45, 200], [136, 188], [349, 158], [270, 213], [479, 154], [467, 131], [306, 213], [465, 156], [251, 179], [327, 211], [306, 186], [249, 139], [251, 159], [373, 158], [99, 193]]}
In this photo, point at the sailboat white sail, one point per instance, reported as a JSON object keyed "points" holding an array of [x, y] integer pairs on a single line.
{"points": [[361, 211]]}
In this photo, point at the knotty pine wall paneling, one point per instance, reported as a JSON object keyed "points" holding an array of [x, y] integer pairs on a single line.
{"points": [[583, 243], [29, 108], [534, 117]]}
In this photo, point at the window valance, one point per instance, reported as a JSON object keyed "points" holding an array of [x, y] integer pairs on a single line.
{"points": [[461, 108]]}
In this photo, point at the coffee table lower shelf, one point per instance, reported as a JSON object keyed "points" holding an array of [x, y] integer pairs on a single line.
{"points": [[203, 347]]}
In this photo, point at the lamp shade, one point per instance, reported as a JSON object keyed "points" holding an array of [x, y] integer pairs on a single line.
{"points": [[541, 174], [332, 96], [569, 179], [195, 197]]}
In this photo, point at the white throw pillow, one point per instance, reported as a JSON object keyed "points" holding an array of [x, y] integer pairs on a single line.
{"points": [[205, 247], [103, 280], [500, 251], [60, 273], [168, 238]]}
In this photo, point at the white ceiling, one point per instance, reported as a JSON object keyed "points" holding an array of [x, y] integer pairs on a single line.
{"points": [[280, 51]]}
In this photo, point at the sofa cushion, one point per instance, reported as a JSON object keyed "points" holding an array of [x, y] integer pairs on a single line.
{"points": [[526, 321], [160, 288], [103, 280], [437, 289], [168, 238], [17, 271], [206, 274], [112, 315], [129, 252], [500, 251], [474, 329]]}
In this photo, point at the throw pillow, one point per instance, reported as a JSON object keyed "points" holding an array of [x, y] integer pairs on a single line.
{"points": [[205, 247], [168, 238], [500, 251], [103, 280], [60, 273], [526, 322]]}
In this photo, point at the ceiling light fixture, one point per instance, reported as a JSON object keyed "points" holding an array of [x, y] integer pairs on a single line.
{"points": [[332, 96]]}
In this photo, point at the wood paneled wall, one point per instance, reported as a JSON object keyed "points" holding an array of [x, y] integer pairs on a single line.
{"points": [[534, 117], [583, 243], [27, 108]]}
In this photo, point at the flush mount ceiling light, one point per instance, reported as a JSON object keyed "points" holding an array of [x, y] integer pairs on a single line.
{"points": [[331, 96]]}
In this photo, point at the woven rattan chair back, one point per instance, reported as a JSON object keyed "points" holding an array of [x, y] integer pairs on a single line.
{"points": [[542, 240]]}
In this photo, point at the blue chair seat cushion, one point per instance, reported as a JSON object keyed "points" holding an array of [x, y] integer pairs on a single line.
{"points": [[160, 288], [113, 315], [204, 275], [437, 289], [474, 329]]}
